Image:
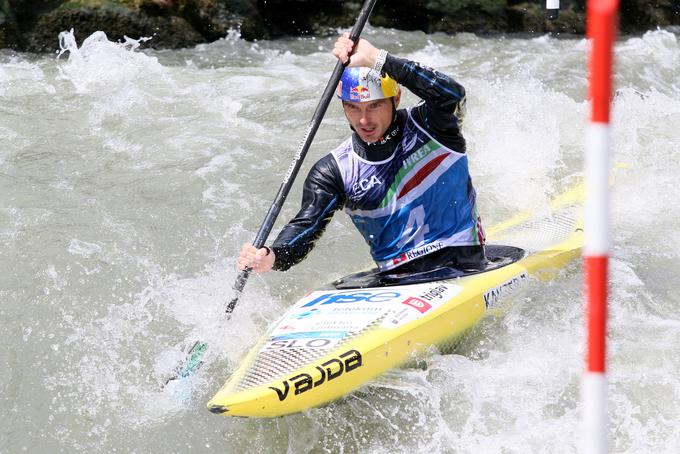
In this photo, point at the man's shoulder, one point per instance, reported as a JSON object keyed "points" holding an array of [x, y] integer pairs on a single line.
{"points": [[343, 147], [416, 115], [326, 172]]}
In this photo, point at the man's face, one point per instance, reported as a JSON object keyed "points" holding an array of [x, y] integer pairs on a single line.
{"points": [[371, 119]]}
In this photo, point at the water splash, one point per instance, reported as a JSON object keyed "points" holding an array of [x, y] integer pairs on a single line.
{"points": [[100, 62]]}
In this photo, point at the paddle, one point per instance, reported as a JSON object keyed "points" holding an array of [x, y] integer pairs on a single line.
{"points": [[194, 357]]}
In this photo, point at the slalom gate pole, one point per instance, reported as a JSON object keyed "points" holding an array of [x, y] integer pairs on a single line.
{"points": [[602, 17]]}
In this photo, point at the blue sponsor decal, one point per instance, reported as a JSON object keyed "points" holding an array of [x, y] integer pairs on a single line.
{"points": [[369, 297], [312, 335], [306, 314]]}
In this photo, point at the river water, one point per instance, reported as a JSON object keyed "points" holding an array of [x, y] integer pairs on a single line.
{"points": [[129, 180]]}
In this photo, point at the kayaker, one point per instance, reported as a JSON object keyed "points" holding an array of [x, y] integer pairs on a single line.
{"points": [[402, 176]]}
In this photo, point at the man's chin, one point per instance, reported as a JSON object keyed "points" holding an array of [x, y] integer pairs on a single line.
{"points": [[369, 139]]}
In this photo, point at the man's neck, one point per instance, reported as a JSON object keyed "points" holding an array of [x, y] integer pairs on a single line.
{"points": [[382, 148]]}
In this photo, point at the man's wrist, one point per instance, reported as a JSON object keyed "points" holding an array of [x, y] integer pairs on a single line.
{"points": [[380, 58]]}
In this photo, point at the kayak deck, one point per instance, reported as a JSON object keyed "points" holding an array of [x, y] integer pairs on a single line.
{"points": [[497, 256]]}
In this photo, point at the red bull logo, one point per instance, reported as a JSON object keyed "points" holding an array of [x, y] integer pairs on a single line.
{"points": [[359, 92]]}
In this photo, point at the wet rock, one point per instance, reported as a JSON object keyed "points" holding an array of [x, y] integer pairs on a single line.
{"points": [[275, 18], [9, 30], [402, 15], [170, 23], [531, 18], [166, 31], [278, 18], [481, 16], [641, 15], [210, 18], [35, 24]]}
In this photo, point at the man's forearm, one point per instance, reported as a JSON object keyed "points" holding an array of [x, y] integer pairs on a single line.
{"points": [[435, 88]]}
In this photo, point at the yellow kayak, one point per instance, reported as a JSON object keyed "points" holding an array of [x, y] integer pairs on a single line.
{"points": [[337, 338]]}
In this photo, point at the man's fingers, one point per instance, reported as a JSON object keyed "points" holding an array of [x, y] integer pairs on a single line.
{"points": [[342, 48], [257, 260]]}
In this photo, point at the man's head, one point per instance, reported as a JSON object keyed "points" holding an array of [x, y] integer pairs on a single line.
{"points": [[369, 100]]}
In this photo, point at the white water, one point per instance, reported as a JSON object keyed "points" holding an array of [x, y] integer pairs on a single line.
{"points": [[128, 181]]}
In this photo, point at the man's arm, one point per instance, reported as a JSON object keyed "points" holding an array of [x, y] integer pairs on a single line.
{"points": [[322, 196], [443, 109]]}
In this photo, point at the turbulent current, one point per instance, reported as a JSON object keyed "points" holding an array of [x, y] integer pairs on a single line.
{"points": [[129, 180]]}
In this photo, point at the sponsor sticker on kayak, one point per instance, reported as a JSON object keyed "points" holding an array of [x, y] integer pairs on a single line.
{"points": [[418, 304], [422, 300], [325, 372], [333, 311], [350, 297], [493, 296], [307, 340], [351, 311]]}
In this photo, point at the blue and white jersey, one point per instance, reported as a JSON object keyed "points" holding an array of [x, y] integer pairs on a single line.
{"points": [[417, 201]]}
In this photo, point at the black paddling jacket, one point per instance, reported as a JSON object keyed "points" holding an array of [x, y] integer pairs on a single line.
{"points": [[441, 114]]}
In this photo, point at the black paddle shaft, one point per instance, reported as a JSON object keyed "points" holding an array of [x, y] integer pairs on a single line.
{"points": [[275, 209]]}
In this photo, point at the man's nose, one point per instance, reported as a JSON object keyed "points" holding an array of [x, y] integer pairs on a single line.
{"points": [[364, 118]]}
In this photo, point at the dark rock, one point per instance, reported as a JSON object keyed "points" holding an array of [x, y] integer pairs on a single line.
{"points": [[170, 23], [35, 24], [9, 30], [212, 18], [452, 16], [569, 21], [242, 8], [531, 18], [641, 15], [278, 18], [403, 15], [114, 20]]}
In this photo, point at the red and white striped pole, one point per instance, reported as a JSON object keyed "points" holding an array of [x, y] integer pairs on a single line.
{"points": [[602, 16]]}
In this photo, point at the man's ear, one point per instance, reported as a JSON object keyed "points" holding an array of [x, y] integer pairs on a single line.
{"points": [[397, 98]]}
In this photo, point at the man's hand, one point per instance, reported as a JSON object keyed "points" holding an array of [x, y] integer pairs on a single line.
{"points": [[259, 260], [364, 55]]}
